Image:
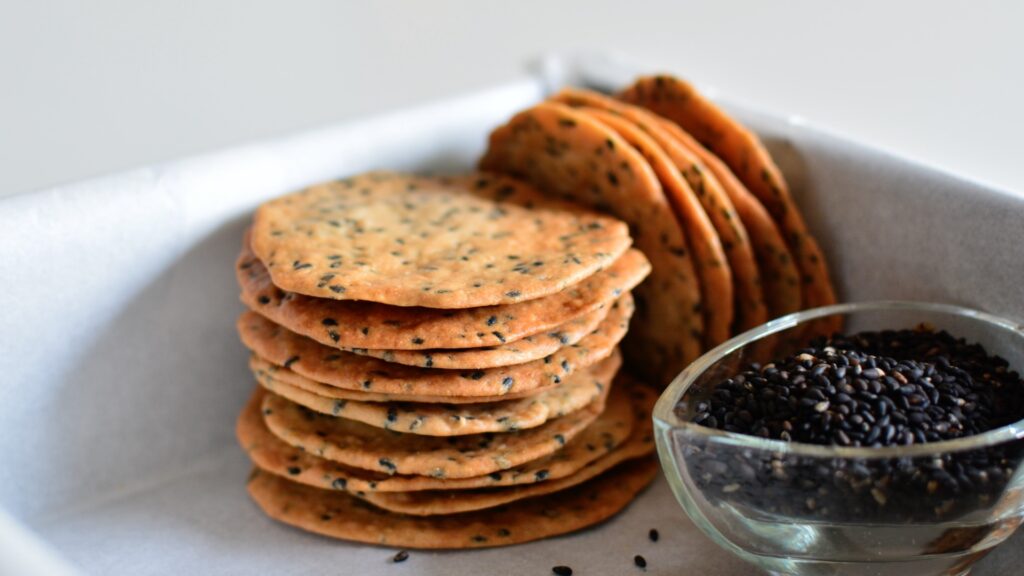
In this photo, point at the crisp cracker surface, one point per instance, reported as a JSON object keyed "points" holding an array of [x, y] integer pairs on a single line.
{"points": [[439, 242], [270, 453], [434, 502], [270, 374], [354, 372], [575, 393], [351, 324], [568, 154], [779, 274], [532, 347], [750, 307], [356, 444], [342, 516], [745, 154], [708, 255]]}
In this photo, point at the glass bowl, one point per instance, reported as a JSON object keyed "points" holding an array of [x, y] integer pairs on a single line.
{"points": [[794, 508]]}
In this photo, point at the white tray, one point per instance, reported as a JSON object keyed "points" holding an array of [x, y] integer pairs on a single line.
{"points": [[122, 373]]}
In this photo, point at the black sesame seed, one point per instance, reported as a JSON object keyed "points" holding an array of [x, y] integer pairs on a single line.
{"points": [[329, 322], [640, 561], [400, 557], [561, 570], [294, 470], [653, 535], [492, 320], [264, 299]]}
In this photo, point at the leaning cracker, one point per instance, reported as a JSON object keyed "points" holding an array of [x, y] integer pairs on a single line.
{"points": [[339, 515], [708, 255], [578, 391], [779, 273], [351, 371], [439, 242], [569, 154], [744, 153], [272, 454], [356, 444], [436, 502], [750, 306], [529, 348], [350, 324]]}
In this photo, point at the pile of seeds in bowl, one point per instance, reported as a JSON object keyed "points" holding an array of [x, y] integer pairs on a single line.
{"points": [[910, 388], [872, 389]]}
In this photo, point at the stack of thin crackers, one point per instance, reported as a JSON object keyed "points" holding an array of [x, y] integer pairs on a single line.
{"points": [[438, 357], [437, 360]]}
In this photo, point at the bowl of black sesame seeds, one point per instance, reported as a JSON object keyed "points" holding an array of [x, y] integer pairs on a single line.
{"points": [[894, 447]]}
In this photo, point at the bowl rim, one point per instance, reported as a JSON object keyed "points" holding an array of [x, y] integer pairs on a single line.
{"points": [[665, 418]]}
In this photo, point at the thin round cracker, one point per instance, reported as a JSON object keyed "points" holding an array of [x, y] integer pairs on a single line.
{"points": [[708, 255], [351, 324], [570, 154], [438, 242], [750, 308], [529, 348], [576, 392], [438, 502], [339, 515], [351, 371], [744, 153], [272, 454], [356, 444], [779, 274], [269, 375]]}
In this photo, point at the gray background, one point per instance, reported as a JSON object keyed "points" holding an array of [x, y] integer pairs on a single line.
{"points": [[88, 88]]}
